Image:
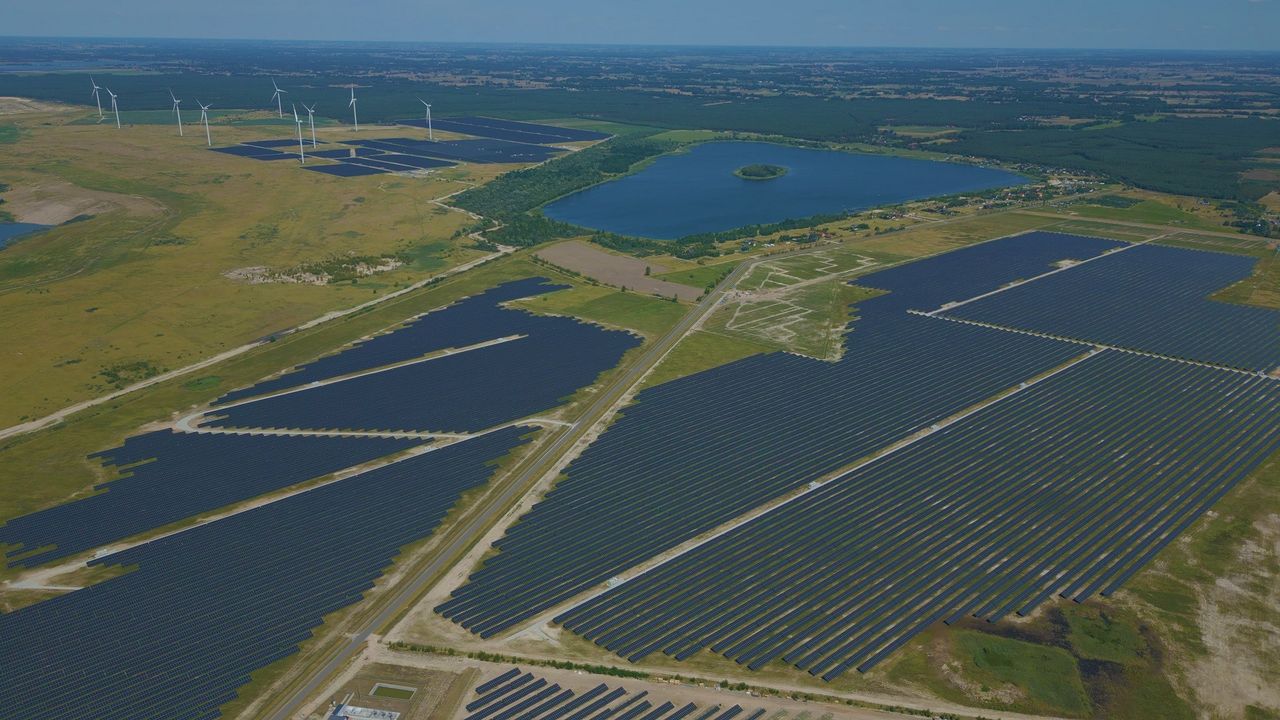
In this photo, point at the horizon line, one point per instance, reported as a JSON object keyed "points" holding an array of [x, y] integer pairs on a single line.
{"points": [[709, 45]]}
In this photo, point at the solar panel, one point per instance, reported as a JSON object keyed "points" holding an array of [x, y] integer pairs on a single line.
{"points": [[166, 477], [207, 607], [1052, 490]]}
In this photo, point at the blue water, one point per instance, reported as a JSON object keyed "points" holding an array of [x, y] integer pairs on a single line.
{"points": [[697, 192], [12, 232]]}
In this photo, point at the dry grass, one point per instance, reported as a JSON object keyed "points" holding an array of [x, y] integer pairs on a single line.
{"points": [[139, 287]]}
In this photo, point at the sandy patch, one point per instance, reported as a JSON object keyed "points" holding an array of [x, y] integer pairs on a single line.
{"points": [[15, 105], [1243, 646], [616, 270], [57, 201]]}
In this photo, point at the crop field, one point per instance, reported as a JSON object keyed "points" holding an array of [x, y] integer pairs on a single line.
{"points": [[209, 623], [988, 516], [617, 270]]}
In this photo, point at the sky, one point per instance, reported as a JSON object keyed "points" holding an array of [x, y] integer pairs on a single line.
{"points": [[1146, 24]]}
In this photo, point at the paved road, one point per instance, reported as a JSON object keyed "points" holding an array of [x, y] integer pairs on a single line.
{"points": [[496, 504]]}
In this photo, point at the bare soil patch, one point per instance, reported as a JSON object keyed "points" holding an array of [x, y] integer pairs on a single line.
{"points": [[15, 105], [618, 270], [57, 201]]}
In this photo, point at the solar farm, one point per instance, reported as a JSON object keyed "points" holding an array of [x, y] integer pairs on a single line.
{"points": [[516, 695], [344, 501], [492, 141], [1019, 422], [1023, 419]]}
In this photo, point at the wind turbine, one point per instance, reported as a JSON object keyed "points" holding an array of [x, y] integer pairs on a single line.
{"points": [[204, 118], [96, 97], [302, 153], [352, 105], [276, 96], [176, 111], [114, 107], [311, 119], [430, 133]]}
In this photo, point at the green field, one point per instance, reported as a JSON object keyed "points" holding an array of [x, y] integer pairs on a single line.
{"points": [[649, 315], [700, 276]]}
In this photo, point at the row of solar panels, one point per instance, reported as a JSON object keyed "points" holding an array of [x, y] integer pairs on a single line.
{"points": [[167, 477], [465, 322], [523, 132], [697, 452], [523, 696], [1149, 298], [1069, 486], [175, 637]]}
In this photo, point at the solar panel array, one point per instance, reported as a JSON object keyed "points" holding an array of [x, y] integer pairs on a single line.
{"points": [[465, 322], [514, 695], [473, 151], [180, 475], [206, 607], [976, 269], [697, 452], [570, 134], [466, 391], [694, 453], [509, 130], [1068, 486], [365, 161], [1150, 298]]}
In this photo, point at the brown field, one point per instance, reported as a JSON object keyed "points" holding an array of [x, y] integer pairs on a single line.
{"points": [[618, 270]]}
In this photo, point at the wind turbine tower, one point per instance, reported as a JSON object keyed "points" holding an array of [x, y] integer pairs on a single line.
{"points": [[277, 97], [114, 107], [355, 120], [302, 152], [430, 133], [311, 118], [96, 97], [176, 111], [204, 118]]}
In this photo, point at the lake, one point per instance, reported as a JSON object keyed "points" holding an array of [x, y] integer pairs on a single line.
{"points": [[12, 232], [697, 191]]}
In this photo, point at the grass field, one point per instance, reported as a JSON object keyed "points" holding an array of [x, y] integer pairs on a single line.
{"points": [[139, 287], [700, 351], [644, 313], [1149, 211], [700, 276]]}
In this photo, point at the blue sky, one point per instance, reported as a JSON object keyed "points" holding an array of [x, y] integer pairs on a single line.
{"points": [[1174, 24]]}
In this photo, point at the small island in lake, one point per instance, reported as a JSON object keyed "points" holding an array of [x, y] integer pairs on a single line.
{"points": [[760, 171]]}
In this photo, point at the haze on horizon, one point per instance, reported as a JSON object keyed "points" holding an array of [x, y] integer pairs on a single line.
{"points": [[1136, 24]]}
